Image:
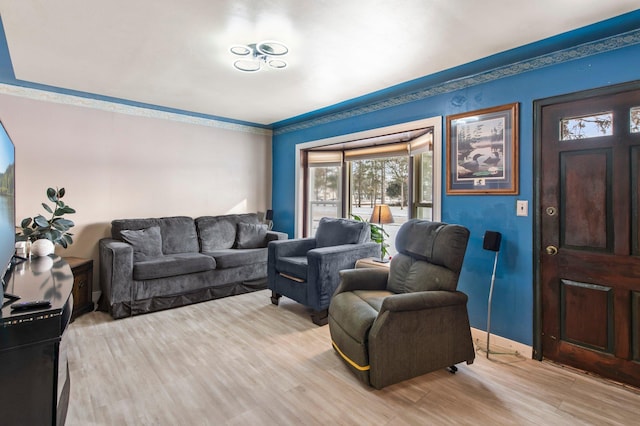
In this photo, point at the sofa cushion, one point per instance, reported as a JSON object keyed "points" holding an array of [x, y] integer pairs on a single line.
{"points": [[251, 235], [178, 235], [178, 232], [146, 243], [335, 232], [295, 266], [219, 232], [231, 258], [119, 225], [172, 265]]}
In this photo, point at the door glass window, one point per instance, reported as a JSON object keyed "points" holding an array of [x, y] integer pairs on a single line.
{"points": [[634, 120], [588, 126]]}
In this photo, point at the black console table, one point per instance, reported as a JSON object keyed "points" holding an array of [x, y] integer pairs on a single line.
{"points": [[34, 375]]}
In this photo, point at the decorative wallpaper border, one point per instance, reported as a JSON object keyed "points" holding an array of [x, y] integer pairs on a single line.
{"points": [[565, 55], [61, 98]]}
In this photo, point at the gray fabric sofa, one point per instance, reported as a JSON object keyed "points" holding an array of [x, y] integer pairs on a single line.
{"points": [[159, 263]]}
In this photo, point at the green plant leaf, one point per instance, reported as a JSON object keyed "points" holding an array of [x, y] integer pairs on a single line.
{"points": [[54, 229], [358, 218], [58, 226], [62, 224], [63, 209], [52, 195], [41, 221]]}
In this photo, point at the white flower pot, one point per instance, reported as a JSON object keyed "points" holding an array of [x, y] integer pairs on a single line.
{"points": [[42, 248]]}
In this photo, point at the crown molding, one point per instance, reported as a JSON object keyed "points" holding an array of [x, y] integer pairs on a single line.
{"points": [[120, 108], [560, 56]]}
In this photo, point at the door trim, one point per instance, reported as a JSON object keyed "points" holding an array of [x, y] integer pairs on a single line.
{"points": [[538, 105]]}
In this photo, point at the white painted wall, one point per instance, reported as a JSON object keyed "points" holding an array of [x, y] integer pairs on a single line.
{"points": [[115, 165]]}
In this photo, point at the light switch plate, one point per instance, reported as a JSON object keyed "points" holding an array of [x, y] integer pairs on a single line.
{"points": [[522, 208]]}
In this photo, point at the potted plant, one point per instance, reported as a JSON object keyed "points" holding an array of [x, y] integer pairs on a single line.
{"points": [[54, 230], [378, 234]]}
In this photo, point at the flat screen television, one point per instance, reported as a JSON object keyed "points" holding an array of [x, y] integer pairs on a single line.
{"points": [[7, 203]]}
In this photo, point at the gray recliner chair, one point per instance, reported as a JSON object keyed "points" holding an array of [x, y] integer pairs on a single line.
{"points": [[307, 269], [392, 325]]}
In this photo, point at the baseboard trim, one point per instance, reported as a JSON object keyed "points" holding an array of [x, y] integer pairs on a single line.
{"points": [[500, 344]]}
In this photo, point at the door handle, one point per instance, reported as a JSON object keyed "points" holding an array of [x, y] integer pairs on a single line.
{"points": [[551, 250]]}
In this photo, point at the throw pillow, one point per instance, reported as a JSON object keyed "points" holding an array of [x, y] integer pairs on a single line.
{"points": [[251, 235], [147, 243]]}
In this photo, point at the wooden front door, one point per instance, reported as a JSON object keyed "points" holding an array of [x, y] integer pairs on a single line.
{"points": [[590, 237]]}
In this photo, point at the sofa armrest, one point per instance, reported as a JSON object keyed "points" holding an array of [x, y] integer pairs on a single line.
{"points": [[116, 275], [362, 279], [275, 235], [285, 248], [422, 300]]}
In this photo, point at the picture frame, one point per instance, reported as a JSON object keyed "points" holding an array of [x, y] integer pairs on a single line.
{"points": [[482, 151]]}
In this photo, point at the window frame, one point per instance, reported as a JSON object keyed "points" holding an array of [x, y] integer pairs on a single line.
{"points": [[300, 183]]}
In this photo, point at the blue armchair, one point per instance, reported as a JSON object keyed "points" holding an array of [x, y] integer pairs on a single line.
{"points": [[307, 269]]}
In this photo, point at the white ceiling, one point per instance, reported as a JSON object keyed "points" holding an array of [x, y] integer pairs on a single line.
{"points": [[175, 54]]}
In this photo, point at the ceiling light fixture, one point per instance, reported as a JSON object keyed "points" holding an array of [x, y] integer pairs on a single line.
{"points": [[255, 56]]}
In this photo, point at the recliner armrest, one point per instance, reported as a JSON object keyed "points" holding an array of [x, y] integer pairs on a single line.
{"points": [[362, 279], [422, 300]]}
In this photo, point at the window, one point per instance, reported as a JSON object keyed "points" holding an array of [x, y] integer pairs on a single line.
{"points": [[399, 165], [634, 116], [381, 181], [590, 126], [324, 193]]}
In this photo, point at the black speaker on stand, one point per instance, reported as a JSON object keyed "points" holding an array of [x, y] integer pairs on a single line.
{"points": [[491, 241]]}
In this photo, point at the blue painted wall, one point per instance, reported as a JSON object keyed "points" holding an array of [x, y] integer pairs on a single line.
{"points": [[512, 309]]}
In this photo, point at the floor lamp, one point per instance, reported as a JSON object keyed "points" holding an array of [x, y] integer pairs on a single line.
{"points": [[381, 214]]}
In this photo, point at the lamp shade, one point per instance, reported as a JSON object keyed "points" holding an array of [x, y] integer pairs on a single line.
{"points": [[381, 214]]}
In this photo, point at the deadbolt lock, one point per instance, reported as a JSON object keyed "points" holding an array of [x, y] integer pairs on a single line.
{"points": [[551, 250], [551, 211]]}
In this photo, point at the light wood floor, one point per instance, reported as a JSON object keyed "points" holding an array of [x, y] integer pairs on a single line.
{"points": [[243, 361]]}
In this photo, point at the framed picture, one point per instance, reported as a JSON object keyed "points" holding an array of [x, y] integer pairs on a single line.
{"points": [[482, 151]]}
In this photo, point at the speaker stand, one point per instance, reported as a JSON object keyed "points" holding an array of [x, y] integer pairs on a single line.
{"points": [[493, 280]]}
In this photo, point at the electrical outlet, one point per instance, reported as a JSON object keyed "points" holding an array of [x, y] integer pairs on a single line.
{"points": [[522, 208]]}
